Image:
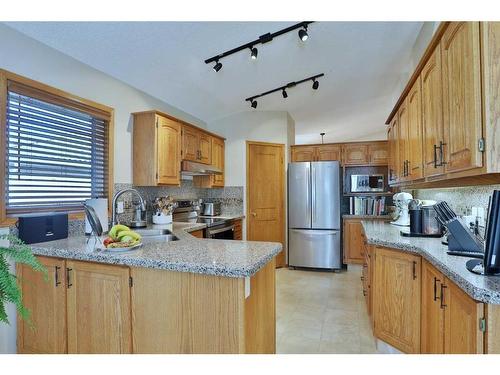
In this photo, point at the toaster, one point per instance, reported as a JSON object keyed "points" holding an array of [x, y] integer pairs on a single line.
{"points": [[211, 209]]}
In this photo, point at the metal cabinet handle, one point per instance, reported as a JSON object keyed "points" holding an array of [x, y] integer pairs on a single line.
{"points": [[435, 156], [414, 270], [56, 275], [441, 150], [436, 280], [442, 305], [68, 277]]}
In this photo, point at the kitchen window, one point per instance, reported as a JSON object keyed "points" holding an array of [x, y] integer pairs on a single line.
{"points": [[57, 149]]}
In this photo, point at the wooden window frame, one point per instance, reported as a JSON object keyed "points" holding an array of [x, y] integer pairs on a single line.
{"points": [[6, 76]]}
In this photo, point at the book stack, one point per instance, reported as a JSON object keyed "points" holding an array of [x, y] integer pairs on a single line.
{"points": [[373, 206]]}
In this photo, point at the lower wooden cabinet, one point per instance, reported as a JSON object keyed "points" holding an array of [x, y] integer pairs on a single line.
{"points": [[238, 229], [396, 299], [197, 233], [353, 242], [367, 279], [83, 308], [46, 299], [432, 325]]}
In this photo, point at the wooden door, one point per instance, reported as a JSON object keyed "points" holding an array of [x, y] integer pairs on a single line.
{"points": [[190, 143], [432, 319], [432, 113], [353, 242], [328, 153], [205, 153], [378, 153], [355, 154], [462, 314], [415, 137], [462, 96], [46, 299], [303, 153], [397, 299], [265, 194], [218, 156], [403, 142], [169, 151], [98, 308], [393, 141]]}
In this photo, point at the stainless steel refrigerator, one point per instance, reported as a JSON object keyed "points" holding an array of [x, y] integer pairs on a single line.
{"points": [[314, 215]]}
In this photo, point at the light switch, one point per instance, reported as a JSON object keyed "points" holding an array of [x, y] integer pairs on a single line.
{"points": [[119, 207]]}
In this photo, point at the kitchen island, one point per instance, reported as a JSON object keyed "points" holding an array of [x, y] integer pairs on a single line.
{"points": [[185, 296]]}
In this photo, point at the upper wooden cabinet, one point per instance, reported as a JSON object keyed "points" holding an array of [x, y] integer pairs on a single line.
{"points": [[404, 150], [196, 145], [460, 48], [360, 153], [156, 150], [218, 160], [458, 79], [393, 145]]}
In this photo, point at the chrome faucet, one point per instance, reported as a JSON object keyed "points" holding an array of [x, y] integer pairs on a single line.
{"points": [[115, 198]]}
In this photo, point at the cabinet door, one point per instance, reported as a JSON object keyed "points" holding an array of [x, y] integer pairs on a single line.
{"points": [[238, 230], [415, 165], [355, 154], [205, 151], [393, 142], [47, 302], [218, 160], [190, 144], [328, 153], [462, 314], [432, 320], [403, 141], [169, 151], [98, 308], [378, 154], [462, 96], [303, 153], [432, 113], [353, 242], [397, 299]]}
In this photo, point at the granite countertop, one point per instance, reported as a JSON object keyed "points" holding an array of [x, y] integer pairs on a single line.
{"points": [[481, 288], [188, 254]]}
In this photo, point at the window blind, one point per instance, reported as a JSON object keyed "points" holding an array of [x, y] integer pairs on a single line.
{"points": [[56, 156]]}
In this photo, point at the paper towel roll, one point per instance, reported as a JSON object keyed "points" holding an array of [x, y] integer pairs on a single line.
{"points": [[100, 205]]}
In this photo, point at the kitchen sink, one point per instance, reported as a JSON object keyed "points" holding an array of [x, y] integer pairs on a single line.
{"points": [[156, 235]]}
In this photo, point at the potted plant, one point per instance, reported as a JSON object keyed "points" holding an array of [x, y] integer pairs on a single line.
{"points": [[18, 252]]}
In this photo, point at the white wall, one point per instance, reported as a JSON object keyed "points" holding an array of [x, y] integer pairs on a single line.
{"points": [[262, 126], [32, 59]]}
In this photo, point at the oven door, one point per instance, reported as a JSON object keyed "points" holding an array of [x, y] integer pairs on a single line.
{"points": [[221, 232]]}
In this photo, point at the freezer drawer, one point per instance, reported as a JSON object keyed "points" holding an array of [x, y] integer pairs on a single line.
{"points": [[314, 248]]}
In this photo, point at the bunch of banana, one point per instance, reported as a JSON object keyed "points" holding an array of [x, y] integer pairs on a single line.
{"points": [[121, 236]]}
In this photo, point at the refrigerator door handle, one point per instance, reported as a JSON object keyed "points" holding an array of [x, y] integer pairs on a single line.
{"points": [[310, 232], [313, 195]]}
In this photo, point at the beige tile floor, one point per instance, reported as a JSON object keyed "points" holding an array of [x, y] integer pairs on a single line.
{"points": [[321, 312]]}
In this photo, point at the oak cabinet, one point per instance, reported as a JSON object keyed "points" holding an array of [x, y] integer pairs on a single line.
{"points": [[404, 151], [353, 242], [218, 160], [303, 153], [378, 154], [328, 153], [432, 325], [393, 144], [355, 154], [238, 229], [156, 150], [397, 289], [46, 299], [460, 47], [415, 136], [196, 145], [367, 278]]}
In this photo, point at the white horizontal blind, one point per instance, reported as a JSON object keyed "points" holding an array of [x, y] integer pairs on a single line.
{"points": [[56, 156]]}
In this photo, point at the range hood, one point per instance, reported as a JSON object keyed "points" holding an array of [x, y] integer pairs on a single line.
{"points": [[191, 168]]}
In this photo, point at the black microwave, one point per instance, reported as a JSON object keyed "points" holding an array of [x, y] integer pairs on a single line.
{"points": [[364, 183]]}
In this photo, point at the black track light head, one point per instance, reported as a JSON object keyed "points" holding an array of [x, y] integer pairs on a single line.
{"points": [[315, 84], [303, 35], [285, 95], [217, 66], [254, 104], [255, 52]]}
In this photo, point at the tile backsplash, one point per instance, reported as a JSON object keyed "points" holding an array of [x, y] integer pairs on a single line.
{"points": [[461, 199]]}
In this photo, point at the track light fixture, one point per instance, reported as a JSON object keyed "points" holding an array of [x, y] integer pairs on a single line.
{"points": [[283, 88], [254, 53], [265, 38], [303, 35], [217, 66]]}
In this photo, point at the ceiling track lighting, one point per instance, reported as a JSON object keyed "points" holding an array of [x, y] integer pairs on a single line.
{"points": [[253, 101], [266, 38]]}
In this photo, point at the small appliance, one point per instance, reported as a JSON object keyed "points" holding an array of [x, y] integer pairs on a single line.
{"points": [[363, 183], [211, 208], [401, 200], [35, 228], [100, 206]]}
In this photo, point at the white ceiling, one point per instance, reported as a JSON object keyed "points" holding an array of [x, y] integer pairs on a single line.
{"points": [[362, 62]]}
